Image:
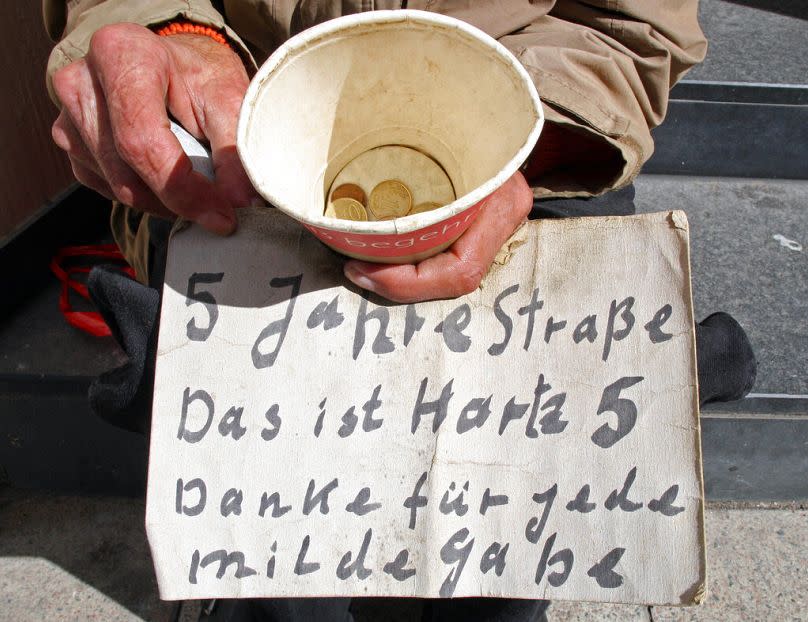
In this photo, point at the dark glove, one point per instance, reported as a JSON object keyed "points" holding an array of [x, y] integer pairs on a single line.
{"points": [[726, 362], [123, 396]]}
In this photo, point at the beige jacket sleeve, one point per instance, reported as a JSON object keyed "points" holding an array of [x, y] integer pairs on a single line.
{"points": [[73, 22]]}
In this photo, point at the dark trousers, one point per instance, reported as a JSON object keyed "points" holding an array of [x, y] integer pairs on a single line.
{"points": [[339, 610]]}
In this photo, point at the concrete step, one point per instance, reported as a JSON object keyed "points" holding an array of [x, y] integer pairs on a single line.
{"points": [[715, 129]]}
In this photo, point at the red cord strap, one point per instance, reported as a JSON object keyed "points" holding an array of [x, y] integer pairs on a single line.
{"points": [[88, 321]]}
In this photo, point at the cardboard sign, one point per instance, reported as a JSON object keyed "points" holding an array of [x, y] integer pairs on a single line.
{"points": [[538, 438]]}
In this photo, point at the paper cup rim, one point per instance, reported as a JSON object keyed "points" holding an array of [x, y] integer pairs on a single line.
{"points": [[403, 224]]}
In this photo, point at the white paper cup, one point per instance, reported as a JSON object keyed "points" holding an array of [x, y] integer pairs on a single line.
{"points": [[411, 78]]}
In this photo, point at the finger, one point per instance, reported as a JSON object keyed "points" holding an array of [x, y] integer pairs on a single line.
{"points": [[220, 122], [88, 177], [86, 110], [67, 137], [210, 108], [135, 85], [443, 276], [88, 172], [460, 269]]}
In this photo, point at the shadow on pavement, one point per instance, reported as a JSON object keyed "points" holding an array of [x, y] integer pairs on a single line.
{"points": [[791, 8], [99, 540]]}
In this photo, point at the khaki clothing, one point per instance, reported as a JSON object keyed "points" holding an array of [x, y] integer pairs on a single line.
{"points": [[601, 67]]}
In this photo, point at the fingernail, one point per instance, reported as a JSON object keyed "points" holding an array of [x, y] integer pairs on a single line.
{"points": [[358, 277], [218, 222]]}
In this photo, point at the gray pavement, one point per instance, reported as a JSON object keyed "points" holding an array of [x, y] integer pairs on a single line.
{"points": [[757, 568], [75, 558], [67, 558]]}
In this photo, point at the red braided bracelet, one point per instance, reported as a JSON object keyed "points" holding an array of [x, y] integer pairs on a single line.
{"points": [[178, 28]]}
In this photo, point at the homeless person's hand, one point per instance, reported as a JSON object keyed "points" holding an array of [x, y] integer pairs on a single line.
{"points": [[460, 268], [114, 122]]}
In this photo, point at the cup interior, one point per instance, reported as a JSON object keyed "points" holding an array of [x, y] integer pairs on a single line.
{"points": [[384, 78]]}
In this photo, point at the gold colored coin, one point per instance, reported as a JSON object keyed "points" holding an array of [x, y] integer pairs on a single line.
{"points": [[349, 191], [424, 207], [349, 209], [390, 199]]}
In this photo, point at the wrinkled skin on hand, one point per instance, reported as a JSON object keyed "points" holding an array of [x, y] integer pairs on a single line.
{"points": [[114, 122], [460, 268], [114, 126]]}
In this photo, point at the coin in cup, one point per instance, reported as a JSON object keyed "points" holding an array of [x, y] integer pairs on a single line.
{"points": [[348, 209], [390, 199], [349, 191]]}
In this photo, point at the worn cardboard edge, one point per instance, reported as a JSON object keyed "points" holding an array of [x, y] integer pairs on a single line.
{"points": [[698, 592]]}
